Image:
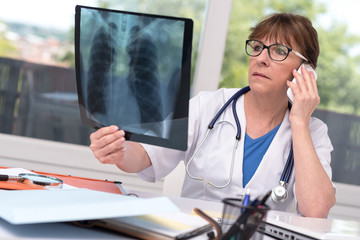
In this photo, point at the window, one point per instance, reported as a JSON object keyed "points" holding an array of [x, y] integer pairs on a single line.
{"points": [[37, 83], [38, 95]]}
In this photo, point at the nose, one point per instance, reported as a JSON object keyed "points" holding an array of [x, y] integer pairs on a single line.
{"points": [[264, 57]]}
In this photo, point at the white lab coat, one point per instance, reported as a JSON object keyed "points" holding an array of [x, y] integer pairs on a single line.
{"points": [[213, 160]]}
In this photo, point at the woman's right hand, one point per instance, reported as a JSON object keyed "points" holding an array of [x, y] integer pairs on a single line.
{"points": [[107, 144], [109, 147]]}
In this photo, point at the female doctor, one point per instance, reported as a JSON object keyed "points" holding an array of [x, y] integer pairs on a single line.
{"points": [[221, 164]]}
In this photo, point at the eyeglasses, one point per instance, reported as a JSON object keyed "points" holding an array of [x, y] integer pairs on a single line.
{"points": [[277, 52]]}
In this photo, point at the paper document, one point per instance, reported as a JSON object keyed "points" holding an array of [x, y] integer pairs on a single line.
{"points": [[40, 206], [14, 171]]}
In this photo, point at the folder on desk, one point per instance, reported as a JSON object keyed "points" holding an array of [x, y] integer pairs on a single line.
{"points": [[159, 226]]}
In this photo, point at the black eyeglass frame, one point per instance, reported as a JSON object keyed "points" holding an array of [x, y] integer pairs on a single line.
{"points": [[268, 48]]}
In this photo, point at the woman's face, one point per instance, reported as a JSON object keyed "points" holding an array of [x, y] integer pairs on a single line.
{"points": [[269, 76]]}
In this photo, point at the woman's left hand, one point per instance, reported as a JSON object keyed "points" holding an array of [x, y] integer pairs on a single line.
{"points": [[306, 97], [314, 191]]}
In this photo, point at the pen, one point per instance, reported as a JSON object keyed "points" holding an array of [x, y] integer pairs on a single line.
{"points": [[245, 203], [263, 200], [246, 199], [236, 226], [213, 224], [242, 219], [9, 178]]}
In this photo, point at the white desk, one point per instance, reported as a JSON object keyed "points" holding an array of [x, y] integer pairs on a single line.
{"points": [[68, 231], [54, 231]]}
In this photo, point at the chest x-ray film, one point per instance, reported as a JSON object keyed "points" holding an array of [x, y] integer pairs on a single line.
{"points": [[133, 71]]}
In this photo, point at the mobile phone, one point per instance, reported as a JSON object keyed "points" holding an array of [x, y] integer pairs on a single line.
{"points": [[289, 91]]}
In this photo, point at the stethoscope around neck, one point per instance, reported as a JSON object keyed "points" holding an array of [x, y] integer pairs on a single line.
{"points": [[279, 193]]}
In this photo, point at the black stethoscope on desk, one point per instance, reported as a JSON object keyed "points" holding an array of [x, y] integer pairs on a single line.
{"points": [[279, 193]]}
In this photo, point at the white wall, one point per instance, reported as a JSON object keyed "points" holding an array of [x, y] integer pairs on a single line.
{"points": [[212, 46]]}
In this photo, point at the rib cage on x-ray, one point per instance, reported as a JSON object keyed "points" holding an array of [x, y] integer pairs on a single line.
{"points": [[143, 76], [101, 58], [133, 72]]}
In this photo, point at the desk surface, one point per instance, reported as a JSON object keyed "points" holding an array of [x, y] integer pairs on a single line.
{"points": [[68, 231], [55, 231]]}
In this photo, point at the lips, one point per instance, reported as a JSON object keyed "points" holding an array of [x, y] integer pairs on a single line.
{"points": [[256, 74]]}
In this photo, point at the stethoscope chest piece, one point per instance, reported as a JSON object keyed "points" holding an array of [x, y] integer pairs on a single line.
{"points": [[279, 193]]}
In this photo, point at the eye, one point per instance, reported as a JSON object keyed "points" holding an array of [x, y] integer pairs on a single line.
{"points": [[280, 50], [257, 47]]}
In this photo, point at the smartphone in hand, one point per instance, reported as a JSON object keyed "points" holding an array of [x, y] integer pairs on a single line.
{"points": [[289, 91]]}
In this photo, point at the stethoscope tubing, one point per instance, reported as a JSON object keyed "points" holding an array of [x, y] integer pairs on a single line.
{"points": [[192, 157], [233, 100], [285, 176]]}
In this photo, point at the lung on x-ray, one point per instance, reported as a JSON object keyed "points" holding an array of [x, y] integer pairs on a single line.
{"points": [[133, 71]]}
